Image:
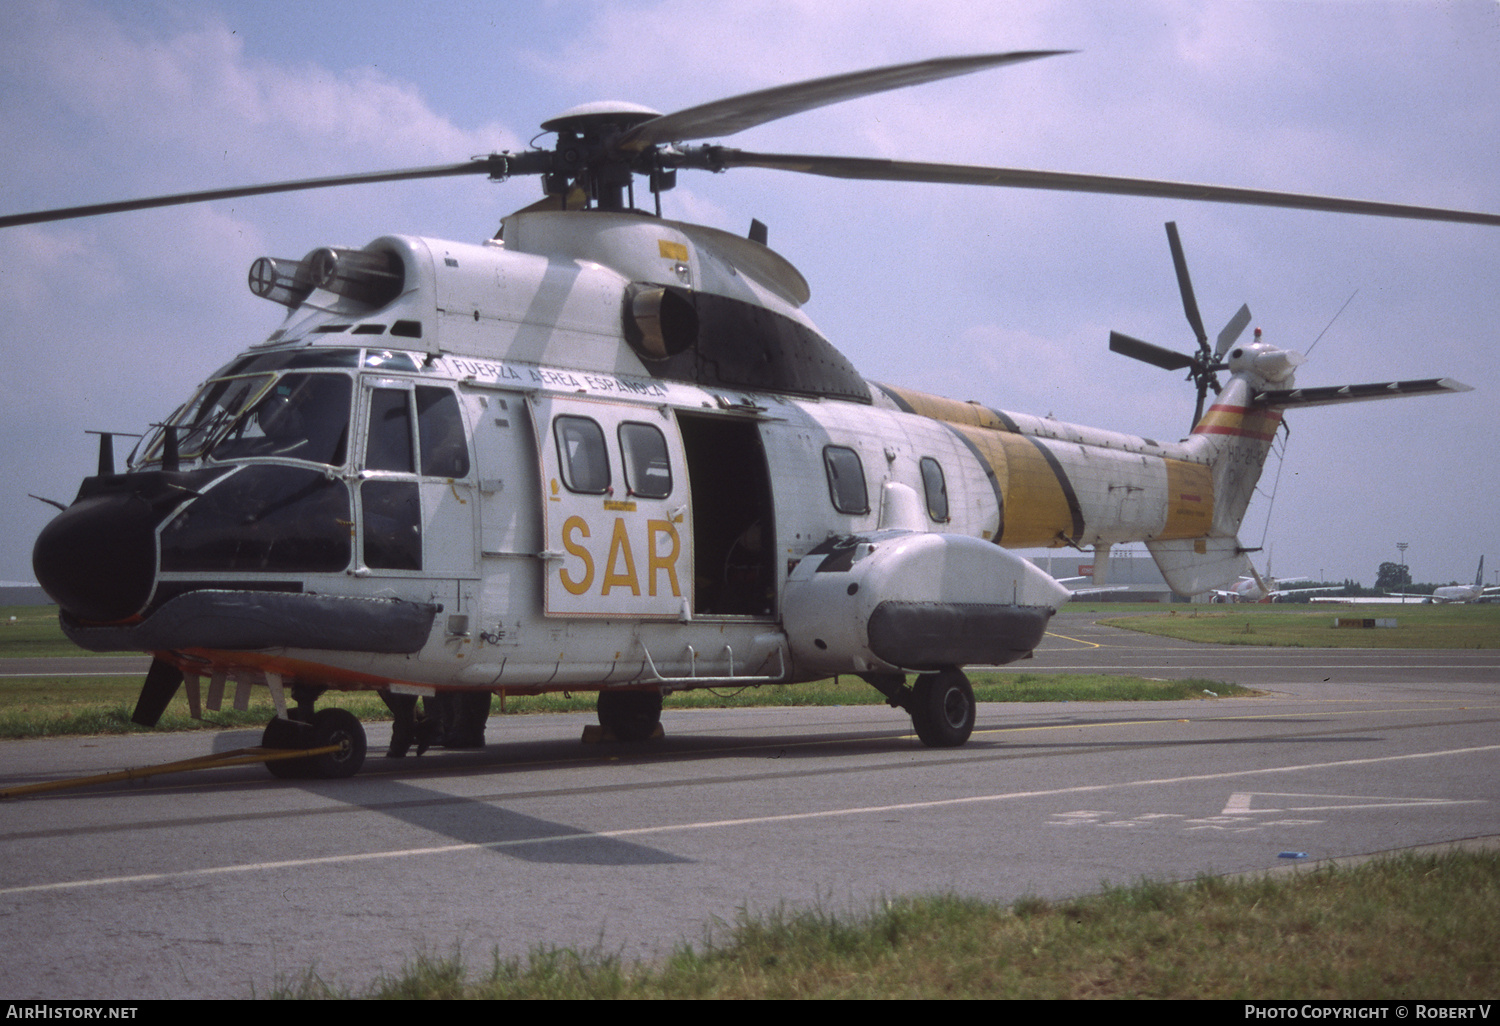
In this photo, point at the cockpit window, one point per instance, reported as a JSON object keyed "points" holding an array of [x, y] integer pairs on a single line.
{"points": [[215, 406], [300, 417], [388, 443], [294, 416], [445, 453], [386, 360], [290, 359]]}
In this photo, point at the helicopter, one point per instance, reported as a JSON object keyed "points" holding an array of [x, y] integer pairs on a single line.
{"points": [[608, 451]]}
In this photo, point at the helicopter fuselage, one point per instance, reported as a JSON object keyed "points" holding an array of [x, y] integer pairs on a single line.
{"points": [[610, 451]]}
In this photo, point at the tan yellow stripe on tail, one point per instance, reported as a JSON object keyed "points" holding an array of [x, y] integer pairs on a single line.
{"points": [[1040, 507], [949, 411], [1190, 500]]}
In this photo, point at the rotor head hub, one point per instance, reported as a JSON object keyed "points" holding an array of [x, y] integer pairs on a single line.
{"points": [[590, 119]]}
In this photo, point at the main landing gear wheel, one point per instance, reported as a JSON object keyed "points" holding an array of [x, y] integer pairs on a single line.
{"points": [[942, 708], [338, 727], [630, 715], [328, 727]]}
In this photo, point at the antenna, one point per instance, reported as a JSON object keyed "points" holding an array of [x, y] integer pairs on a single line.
{"points": [[1330, 323]]}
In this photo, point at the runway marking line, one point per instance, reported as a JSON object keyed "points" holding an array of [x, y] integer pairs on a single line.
{"points": [[1220, 667], [1164, 720], [1080, 641], [672, 828], [1239, 802]]}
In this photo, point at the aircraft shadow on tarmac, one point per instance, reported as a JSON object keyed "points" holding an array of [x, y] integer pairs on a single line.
{"points": [[480, 822], [468, 820]]}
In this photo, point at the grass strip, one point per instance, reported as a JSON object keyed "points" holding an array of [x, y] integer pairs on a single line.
{"points": [[1306, 626], [1410, 926]]}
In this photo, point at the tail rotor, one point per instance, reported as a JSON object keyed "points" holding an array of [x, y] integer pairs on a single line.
{"points": [[1202, 366]]}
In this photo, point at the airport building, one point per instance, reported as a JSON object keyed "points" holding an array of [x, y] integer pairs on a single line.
{"points": [[20, 593]]}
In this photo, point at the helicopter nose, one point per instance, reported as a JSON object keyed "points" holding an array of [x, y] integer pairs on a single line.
{"points": [[97, 558]]}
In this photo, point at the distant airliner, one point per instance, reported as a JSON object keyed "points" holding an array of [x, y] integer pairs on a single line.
{"points": [[1255, 588], [1458, 592]]}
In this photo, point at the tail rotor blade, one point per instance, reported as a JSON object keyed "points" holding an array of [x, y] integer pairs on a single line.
{"points": [[1232, 331], [1147, 352], [1185, 284]]}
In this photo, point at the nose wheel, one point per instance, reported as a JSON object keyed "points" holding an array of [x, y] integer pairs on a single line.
{"points": [[942, 708], [338, 729]]}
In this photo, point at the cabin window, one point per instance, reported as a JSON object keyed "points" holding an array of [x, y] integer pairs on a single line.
{"points": [[936, 488], [648, 471], [846, 480], [581, 454], [445, 452]]}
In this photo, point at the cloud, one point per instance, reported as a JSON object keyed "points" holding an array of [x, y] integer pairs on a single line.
{"points": [[1002, 296], [111, 321]]}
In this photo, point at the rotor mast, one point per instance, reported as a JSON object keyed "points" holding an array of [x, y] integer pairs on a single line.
{"points": [[589, 157]]}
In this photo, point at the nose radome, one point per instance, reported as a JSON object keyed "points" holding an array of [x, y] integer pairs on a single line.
{"points": [[97, 558]]}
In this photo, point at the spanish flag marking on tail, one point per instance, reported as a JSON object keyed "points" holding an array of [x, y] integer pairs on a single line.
{"points": [[1240, 421]]}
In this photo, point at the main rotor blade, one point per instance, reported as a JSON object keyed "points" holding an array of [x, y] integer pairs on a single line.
{"points": [[1198, 407], [872, 169], [1147, 352], [1185, 286], [495, 165], [737, 113]]}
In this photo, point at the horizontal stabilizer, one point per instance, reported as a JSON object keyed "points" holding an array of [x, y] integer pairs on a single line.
{"points": [[1329, 395]]}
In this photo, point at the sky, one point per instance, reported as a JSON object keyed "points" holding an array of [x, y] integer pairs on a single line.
{"points": [[1002, 296]]}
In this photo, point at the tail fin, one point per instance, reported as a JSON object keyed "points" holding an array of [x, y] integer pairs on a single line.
{"points": [[1234, 437]]}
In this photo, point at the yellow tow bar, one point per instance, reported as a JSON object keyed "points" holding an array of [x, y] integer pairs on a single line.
{"points": [[238, 757]]}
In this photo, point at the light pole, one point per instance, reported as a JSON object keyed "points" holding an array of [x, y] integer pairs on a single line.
{"points": [[1401, 548]]}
